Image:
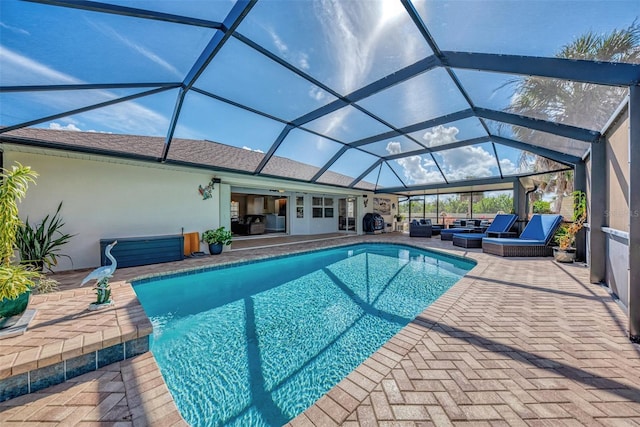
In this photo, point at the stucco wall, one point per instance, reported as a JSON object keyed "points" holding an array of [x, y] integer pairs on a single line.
{"points": [[111, 200], [617, 208], [106, 198], [617, 145]]}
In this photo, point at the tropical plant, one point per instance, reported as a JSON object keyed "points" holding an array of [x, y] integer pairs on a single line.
{"points": [[566, 234], [15, 279], [218, 236], [39, 245], [45, 285], [579, 104], [542, 207]]}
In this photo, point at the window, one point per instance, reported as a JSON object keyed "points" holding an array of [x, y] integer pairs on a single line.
{"points": [[299, 207], [322, 207]]}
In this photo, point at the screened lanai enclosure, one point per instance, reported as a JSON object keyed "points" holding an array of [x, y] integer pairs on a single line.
{"points": [[399, 97]]}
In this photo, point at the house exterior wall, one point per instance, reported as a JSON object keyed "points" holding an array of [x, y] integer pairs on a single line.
{"points": [[113, 200], [617, 146], [106, 198], [617, 208]]}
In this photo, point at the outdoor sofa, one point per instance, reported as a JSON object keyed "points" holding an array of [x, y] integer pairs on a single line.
{"points": [[420, 228]]}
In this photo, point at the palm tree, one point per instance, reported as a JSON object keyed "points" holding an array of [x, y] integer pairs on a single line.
{"points": [[579, 104]]}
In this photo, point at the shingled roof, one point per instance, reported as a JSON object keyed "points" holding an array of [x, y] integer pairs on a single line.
{"points": [[200, 153]]}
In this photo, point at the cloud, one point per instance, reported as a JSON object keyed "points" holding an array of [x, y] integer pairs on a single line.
{"points": [[301, 59], [507, 167], [316, 93], [282, 47], [467, 162], [17, 69], [251, 149], [394, 147], [58, 126], [416, 169], [457, 164], [15, 29], [138, 48], [72, 127], [440, 135]]}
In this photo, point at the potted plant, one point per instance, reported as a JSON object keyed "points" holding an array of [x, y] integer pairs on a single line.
{"points": [[39, 245], [566, 234], [216, 239], [16, 280]]}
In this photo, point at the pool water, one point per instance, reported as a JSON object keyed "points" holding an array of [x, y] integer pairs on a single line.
{"points": [[257, 344]]}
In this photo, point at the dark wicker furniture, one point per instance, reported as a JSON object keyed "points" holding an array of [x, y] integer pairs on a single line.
{"points": [[422, 228], [474, 242], [498, 228], [533, 241]]}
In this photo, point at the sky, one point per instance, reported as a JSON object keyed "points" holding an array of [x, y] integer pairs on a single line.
{"points": [[343, 45]]}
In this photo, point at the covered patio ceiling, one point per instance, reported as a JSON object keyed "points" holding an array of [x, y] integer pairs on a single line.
{"points": [[394, 96]]}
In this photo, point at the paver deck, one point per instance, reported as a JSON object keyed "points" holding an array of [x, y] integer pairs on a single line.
{"points": [[515, 342]]}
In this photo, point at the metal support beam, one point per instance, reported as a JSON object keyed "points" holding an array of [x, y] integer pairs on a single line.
{"points": [[329, 163], [538, 124], [580, 184], [469, 183], [603, 73], [85, 109], [365, 173], [273, 148], [596, 184], [634, 213], [556, 156], [172, 124], [520, 204], [443, 147], [239, 10], [415, 127], [95, 6], [86, 86]]}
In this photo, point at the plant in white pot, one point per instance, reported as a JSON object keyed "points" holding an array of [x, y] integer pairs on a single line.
{"points": [[216, 239], [16, 280], [566, 234]]}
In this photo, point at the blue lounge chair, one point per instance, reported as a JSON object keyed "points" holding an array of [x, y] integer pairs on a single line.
{"points": [[533, 241], [501, 225]]}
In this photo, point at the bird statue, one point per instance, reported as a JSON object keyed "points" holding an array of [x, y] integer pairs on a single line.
{"points": [[102, 275]]}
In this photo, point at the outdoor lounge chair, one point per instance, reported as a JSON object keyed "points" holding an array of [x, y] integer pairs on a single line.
{"points": [[533, 241], [469, 227], [422, 228], [501, 224]]}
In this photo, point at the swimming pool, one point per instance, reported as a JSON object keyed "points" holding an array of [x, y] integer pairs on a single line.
{"points": [[257, 344]]}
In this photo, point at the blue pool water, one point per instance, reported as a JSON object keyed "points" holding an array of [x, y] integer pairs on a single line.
{"points": [[257, 344]]}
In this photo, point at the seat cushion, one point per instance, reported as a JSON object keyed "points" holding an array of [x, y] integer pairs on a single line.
{"points": [[469, 235], [521, 242]]}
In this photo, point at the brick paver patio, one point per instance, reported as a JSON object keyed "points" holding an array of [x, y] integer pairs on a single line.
{"points": [[515, 342]]}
